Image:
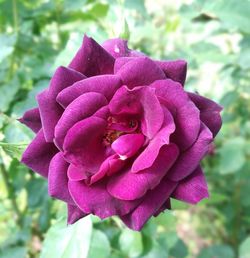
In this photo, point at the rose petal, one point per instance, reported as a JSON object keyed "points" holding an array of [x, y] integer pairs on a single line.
{"points": [[104, 84], [131, 186], [148, 156], [83, 144], [74, 214], [139, 101], [186, 114], [165, 206], [151, 203], [193, 188], [96, 200], [31, 119], [191, 158], [38, 154], [81, 108], [175, 70], [92, 59], [127, 145], [50, 110], [209, 112], [58, 180], [140, 71]]}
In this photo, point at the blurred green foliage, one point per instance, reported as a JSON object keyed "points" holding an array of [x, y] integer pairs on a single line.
{"points": [[214, 37]]}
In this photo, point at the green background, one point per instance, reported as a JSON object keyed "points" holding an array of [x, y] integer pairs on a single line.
{"points": [[214, 37]]}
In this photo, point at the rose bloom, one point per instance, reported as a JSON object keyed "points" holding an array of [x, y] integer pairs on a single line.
{"points": [[117, 134]]}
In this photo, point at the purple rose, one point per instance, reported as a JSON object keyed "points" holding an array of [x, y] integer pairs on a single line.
{"points": [[116, 134]]}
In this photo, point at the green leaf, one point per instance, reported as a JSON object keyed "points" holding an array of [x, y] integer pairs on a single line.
{"points": [[7, 43], [125, 31], [232, 155], [12, 252], [72, 241], [14, 150], [131, 243], [217, 251], [99, 247], [179, 250], [244, 251]]}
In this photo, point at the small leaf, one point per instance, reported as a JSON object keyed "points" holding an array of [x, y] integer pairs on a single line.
{"points": [[217, 251], [245, 249], [14, 150]]}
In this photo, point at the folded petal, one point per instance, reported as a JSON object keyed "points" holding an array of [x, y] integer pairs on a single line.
{"points": [[131, 186], [151, 203], [127, 145], [31, 119], [191, 158], [193, 188], [96, 200], [140, 101], [209, 112], [50, 110], [92, 59], [175, 70], [185, 113], [76, 173], [38, 154], [74, 214], [58, 180], [83, 144], [148, 156], [140, 71], [104, 84], [81, 108]]}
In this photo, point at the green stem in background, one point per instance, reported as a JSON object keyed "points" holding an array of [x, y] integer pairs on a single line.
{"points": [[11, 195], [15, 16]]}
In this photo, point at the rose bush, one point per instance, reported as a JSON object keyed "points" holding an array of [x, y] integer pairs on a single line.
{"points": [[116, 134]]}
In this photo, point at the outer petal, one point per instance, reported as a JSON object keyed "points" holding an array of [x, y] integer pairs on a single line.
{"points": [[191, 158], [96, 200], [92, 59], [148, 156], [193, 188], [74, 214], [165, 206], [175, 70], [83, 144], [104, 84], [119, 47], [38, 154], [140, 71], [58, 180], [186, 114], [151, 203], [31, 118], [209, 112], [140, 101], [50, 110], [81, 108], [131, 186]]}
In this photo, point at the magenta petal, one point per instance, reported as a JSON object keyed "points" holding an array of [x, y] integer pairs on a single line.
{"points": [[140, 71], [131, 186], [185, 113], [81, 108], [74, 214], [209, 112], [193, 188], [83, 144], [58, 180], [92, 59], [140, 101], [175, 70], [104, 84], [109, 167], [50, 110], [76, 173], [119, 62], [38, 154], [191, 158], [31, 118], [127, 145], [151, 203], [165, 206], [148, 156], [96, 200]]}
